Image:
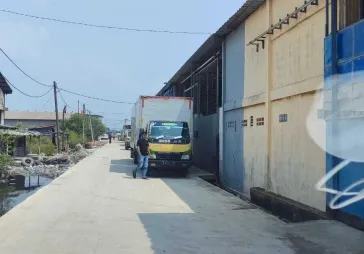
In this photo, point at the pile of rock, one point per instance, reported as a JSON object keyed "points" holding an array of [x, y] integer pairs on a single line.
{"points": [[48, 166], [51, 171], [78, 154]]}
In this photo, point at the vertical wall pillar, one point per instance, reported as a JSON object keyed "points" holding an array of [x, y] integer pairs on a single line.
{"points": [[221, 114], [268, 106]]}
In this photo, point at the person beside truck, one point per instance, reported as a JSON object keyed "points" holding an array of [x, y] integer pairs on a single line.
{"points": [[143, 151]]}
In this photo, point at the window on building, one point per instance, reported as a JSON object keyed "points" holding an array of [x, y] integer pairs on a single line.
{"points": [[244, 123], [283, 118], [251, 121], [260, 121], [205, 90], [350, 12]]}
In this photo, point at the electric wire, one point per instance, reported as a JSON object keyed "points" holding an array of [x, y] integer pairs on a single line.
{"points": [[64, 101], [95, 98], [65, 90], [20, 91], [104, 26], [20, 69], [45, 104]]}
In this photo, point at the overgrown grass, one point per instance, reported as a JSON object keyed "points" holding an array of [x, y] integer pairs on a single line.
{"points": [[6, 190], [74, 139], [46, 146]]}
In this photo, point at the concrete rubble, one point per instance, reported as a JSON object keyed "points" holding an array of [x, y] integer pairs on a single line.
{"points": [[52, 166]]}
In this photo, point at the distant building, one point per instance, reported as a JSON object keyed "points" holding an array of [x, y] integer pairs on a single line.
{"points": [[31, 119], [4, 90]]}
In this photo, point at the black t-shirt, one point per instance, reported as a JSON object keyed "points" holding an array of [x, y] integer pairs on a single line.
{"points": [[143, 146]]}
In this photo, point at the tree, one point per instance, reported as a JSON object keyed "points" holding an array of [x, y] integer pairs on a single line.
{"points": [[5, 162], [20, 126], [75, 124]]}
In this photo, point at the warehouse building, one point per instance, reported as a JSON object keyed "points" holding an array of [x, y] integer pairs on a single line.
{"points": [[267, 67], [31, 119]]}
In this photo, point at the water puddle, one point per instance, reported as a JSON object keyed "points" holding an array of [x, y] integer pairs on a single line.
{"points": [[31, 185]]}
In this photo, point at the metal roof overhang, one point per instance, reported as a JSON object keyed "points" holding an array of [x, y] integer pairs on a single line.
{"points": [[4, 85], [214, 42]]}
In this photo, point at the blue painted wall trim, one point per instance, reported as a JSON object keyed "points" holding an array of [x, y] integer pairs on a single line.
{"points": [[350, 59]]}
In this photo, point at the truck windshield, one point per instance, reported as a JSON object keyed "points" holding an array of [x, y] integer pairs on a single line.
{"points": [[168, 130]]}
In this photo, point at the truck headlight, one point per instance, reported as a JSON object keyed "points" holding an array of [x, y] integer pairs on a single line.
{"points": [[152, 156], [185, 157]]}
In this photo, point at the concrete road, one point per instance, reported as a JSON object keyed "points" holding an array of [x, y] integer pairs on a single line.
{"points": [[97, 207]]}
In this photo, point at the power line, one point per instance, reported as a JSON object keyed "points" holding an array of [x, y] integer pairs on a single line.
{"points": [[32, 96], [64, 101], [95, 98], [11, 60], [67, 91], [106, 113], [105, 26], [45, 104]]}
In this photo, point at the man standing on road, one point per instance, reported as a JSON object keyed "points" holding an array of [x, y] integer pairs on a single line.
{"points": [[143, 151], [109, 137]]}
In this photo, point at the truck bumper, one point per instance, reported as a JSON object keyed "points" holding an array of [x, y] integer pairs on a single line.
{"points": [[162, 164]]}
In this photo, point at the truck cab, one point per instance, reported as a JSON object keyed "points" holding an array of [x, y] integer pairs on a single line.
{"points": [[170, 145]]}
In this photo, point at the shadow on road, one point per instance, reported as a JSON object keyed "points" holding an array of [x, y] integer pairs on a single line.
{"points": [[201, 218], [122, 166], [218, 222]]}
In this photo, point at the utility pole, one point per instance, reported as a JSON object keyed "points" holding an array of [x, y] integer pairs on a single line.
{"points": [[83, 123], [92, 133], [57, 119], [63, 125], [78, 112]]}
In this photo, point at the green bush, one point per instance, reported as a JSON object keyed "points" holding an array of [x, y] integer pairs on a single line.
{"points": [[47, 149], [5, 162], [74, 139], [45, 144]]}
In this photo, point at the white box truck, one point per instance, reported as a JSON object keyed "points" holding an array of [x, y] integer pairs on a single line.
{"points": [[168, 124], [126, 134]]}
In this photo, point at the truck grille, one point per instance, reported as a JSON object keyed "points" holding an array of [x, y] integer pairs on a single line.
{"points": [[169, 156]]}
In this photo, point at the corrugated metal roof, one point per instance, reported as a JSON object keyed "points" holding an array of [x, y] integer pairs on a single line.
{"points": [[242, 14], [29, 115], [19, 133], [4, 85], [213, 43]]}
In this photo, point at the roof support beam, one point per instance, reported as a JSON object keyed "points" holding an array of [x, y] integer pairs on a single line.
{"points": [[285, 21]]}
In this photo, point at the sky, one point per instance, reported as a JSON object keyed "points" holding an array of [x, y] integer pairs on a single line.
{"points": [[112, 64]]}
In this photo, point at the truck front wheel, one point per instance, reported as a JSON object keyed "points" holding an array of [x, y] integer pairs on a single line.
{"points": [[184, 172]]}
